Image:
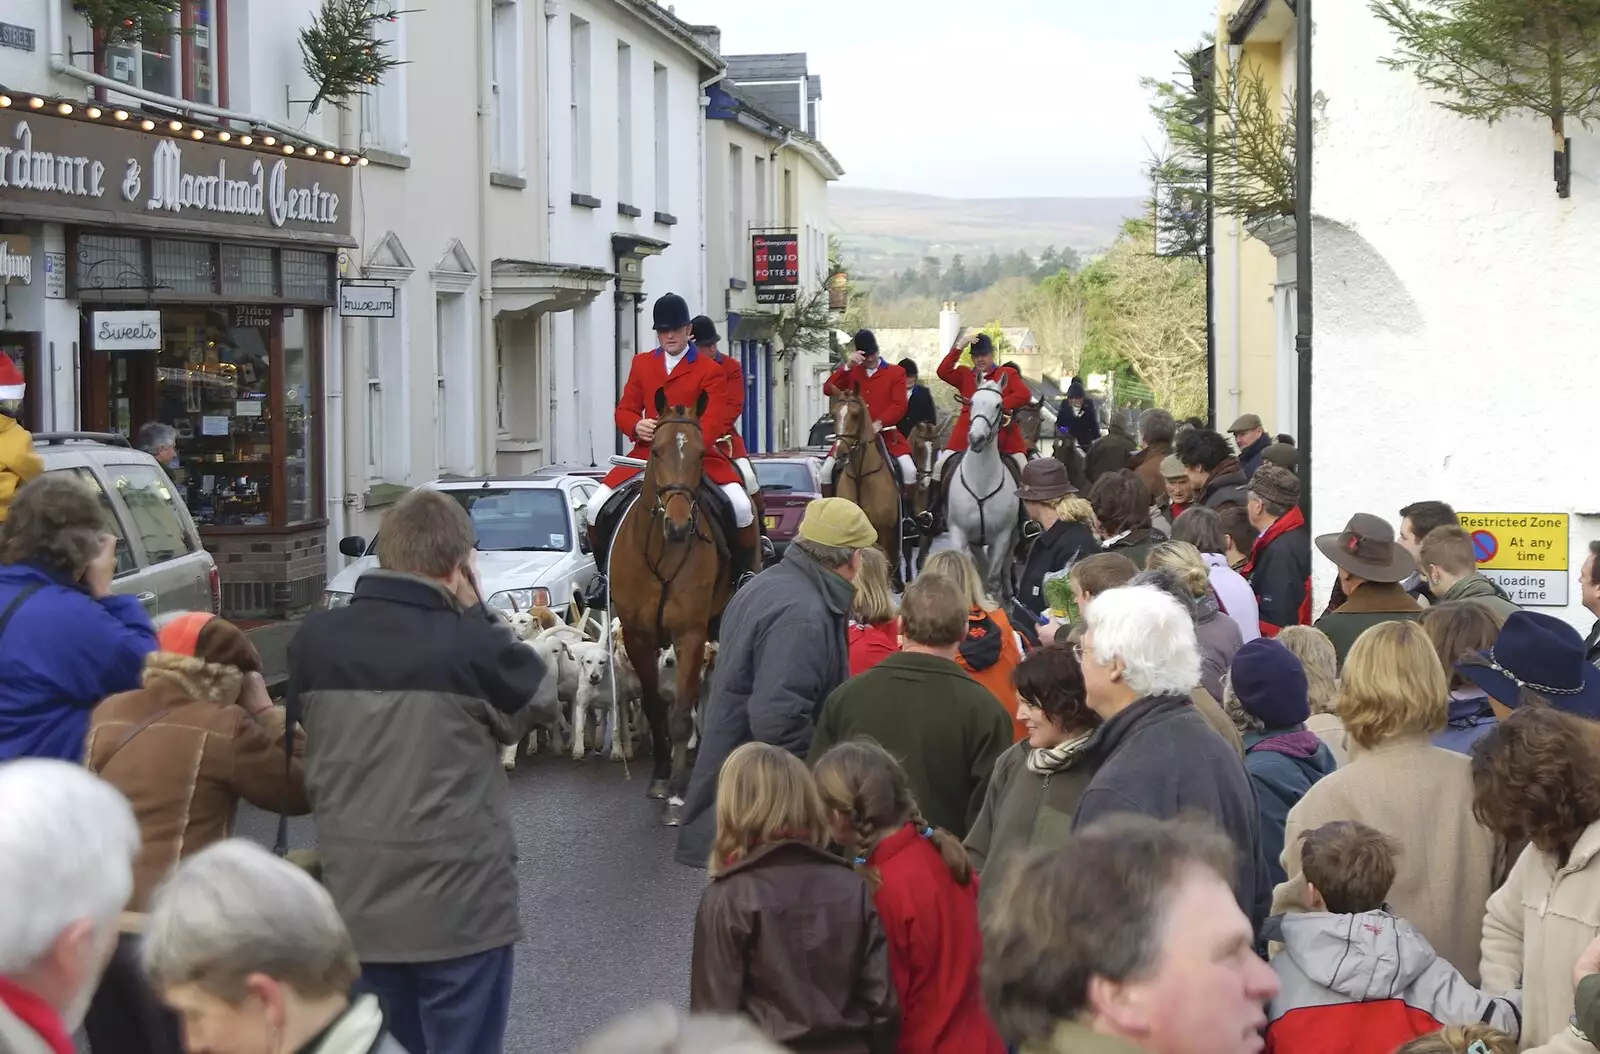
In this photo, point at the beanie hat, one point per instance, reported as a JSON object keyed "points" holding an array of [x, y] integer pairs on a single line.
{"points": [[838, 522], [1270, 683], [1277, 485], [866, 342], [11, 383], [210, 639]]}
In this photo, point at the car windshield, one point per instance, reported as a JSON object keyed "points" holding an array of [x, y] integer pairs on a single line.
{"points": [[788, 476], [518, 519]]}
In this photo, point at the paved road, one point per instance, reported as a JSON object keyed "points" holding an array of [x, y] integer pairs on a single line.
{"points": [[608, 914]]}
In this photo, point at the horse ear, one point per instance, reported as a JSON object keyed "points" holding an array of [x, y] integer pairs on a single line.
{"points": [[661, 400], [701, 403]]}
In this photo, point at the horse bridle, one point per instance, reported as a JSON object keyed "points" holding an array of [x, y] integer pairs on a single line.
{"points": [[853, 447], [664, 492]]}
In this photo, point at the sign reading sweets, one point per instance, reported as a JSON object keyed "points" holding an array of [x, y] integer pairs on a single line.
{"points": [[775, 264], [47, 160], [1525, 552], [126, 330]]}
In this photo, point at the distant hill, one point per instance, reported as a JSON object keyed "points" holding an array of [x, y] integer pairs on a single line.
{"points": [[884, 231]]}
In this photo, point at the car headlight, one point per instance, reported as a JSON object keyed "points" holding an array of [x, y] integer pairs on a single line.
{"points": [[333, 598], [511, 600]]}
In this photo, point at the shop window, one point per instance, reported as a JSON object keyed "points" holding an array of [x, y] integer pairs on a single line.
{"points": [[110, 261], [307, 275], [125, 561], [248, 270], [148, 496], [178, 56], [299, 388], [184, 267]]}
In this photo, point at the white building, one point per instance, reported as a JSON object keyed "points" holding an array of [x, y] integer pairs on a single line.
{"points": [[767, 176], [1454, 305], [626, 176]]}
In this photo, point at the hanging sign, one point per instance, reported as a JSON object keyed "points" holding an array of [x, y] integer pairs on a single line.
{"points": [[775, 265], [126, 330], [358, 300]]}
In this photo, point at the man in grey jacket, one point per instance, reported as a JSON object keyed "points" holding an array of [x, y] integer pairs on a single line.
{"points": [[407, 694], [783, 651]]}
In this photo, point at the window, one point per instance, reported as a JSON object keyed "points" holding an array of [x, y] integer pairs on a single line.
{"points": [[738, 244], [453, 379], [522, 519], [441, 419], [761, 191], [785, 477], [300, 401], [507, 87], [126, 564], [663, 142], [148, 496], [624, 123], [178, 56], [581, 112], [788, 197], [387, 437], [383, 109]]}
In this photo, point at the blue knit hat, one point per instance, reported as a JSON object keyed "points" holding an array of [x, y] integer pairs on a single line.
{"points": [[1270, 684]]}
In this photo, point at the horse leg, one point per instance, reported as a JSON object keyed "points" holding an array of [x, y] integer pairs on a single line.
{"points": [[644, 654], [691, 649]]}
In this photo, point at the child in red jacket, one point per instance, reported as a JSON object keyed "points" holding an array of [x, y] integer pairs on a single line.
{"points": [[925, 892]]}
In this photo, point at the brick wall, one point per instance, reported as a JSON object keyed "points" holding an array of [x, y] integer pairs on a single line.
{"points": [[270, 576]]}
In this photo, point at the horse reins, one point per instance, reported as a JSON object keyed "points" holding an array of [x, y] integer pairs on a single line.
{"points": [[663, 494]]}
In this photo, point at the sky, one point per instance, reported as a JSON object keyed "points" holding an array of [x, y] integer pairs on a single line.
{"points": [[1000, 98]]}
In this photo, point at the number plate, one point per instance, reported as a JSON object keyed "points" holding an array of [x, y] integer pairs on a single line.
{"points": [[771, 522]]}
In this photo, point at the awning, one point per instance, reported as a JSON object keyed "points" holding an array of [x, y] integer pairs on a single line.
{"points": [[540, 287]]}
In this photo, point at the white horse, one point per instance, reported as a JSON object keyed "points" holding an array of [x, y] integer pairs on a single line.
{"points": [[983, 508]]}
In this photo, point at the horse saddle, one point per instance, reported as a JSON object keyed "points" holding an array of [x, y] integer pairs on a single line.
{"points": [[708, 494]]}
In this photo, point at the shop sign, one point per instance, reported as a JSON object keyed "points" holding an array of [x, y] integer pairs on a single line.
{"points": [[126, 330], [357, 300], [1525, 553], [54, 159], [20, 37], [16, 259], [775, 265], [55, 276], [253, 316]]}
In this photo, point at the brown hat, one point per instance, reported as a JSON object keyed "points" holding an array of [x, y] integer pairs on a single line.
{"points": [[1283, 455], [1246, 423], [1277, 485], [208, 638], [1367, 549], [1045, 479]]}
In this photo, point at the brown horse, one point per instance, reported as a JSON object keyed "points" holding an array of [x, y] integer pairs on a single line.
{"points": [[670, 578], [925, 447], [864, 476]]}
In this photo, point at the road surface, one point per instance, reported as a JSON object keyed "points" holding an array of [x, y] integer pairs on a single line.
{"points": [[607, 913]]}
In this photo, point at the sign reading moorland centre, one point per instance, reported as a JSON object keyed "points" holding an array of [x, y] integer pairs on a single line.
{"points": [[48, 161]]}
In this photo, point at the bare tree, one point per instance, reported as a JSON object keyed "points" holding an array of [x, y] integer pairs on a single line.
{"points": [[1151, 314], [1056, 313]]}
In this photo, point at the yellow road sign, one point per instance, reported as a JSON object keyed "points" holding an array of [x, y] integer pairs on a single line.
{"points": [[1518, 541]]}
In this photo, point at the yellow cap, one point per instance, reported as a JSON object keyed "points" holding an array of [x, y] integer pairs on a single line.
{"points": [[838, 522]]}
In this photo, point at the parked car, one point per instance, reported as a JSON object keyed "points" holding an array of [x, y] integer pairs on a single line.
{"points": [[160, 559], [821, 437], [532, 548], [789, 482]]}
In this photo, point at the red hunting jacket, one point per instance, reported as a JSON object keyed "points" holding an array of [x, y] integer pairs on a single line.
{"points": [[695, 374], [732, 444], [885, 395], [1014, 395]]}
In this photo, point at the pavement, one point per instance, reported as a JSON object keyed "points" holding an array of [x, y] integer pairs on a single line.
{"points": [[272, 641], [607, 915]]}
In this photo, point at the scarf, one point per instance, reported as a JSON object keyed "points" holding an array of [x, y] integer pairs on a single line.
{"points": [[36, 1015], [1042, 761]]}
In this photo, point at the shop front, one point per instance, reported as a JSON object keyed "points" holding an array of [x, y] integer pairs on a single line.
{"points": [[198, 291]]}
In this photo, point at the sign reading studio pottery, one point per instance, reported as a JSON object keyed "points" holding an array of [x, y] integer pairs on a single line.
{"points": [[126, 330], [55, 164]]}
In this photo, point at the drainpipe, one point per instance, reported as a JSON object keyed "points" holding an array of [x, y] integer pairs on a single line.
{"points": [[700, 130], [1236, 58], [346, 468], [489, 430], [1302, 223]]}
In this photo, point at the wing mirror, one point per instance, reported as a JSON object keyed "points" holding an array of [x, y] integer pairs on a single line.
{"points": [[353, 546]]}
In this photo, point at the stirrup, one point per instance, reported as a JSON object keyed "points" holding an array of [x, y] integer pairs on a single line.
{"points": [[743, 579]]}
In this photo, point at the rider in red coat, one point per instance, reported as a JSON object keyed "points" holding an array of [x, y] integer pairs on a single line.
{"points": [[683, 374], [1014, 395], [706, 339], [882, 386]]}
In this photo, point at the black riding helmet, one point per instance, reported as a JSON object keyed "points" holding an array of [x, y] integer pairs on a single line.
{"points": [[910, 367]]}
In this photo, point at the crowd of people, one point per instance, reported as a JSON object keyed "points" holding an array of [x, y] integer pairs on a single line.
{"points": [[1152, 804]]}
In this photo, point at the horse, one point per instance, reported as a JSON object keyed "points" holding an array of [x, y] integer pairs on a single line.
{"points": [[863, 474], [1067, 452], [925, 447], [982, 507], [1030, 419], [669, 580]]}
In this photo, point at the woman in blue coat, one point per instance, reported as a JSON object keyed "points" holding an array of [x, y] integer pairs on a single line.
{"points": [[66, 641]]}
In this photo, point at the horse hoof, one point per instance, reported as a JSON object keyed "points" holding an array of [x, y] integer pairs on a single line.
{"points": [[657, 790], [673, 817]]}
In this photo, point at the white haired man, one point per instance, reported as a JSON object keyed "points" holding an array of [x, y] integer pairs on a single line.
{"points": [[66, 872], [1154, 754]]}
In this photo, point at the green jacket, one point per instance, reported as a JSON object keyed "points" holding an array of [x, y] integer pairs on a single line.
{"points": [[946, 729], [1073, 1038], [1372, 604], [1587, 1002], [1022, 810], [1481, 590]]}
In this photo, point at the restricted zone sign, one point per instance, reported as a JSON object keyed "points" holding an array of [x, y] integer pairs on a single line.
{"points": [[1525, 552]]}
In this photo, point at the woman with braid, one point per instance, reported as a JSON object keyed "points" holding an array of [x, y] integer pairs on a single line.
{"points": [[926, 894]]}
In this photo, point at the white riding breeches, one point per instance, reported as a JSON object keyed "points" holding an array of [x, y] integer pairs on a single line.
{"points": [[1020, 460], [744, 513], [752, 485], [908, 468]]}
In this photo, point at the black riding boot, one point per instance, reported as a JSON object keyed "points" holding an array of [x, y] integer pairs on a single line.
{"points": [[596, 596], [746, 554], [910, 523]]}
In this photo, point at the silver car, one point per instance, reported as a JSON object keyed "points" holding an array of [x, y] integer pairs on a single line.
{"points": [[532, 548], [159, 556]]}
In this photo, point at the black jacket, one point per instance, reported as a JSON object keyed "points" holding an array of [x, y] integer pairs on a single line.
{"points": [[1056, 548], [1250, 456], [1110, 453], [1227, 486], [919, 410], [1159, 758], [1592, 644], [1279, 577], [783, 651], [1082, 425], [406, 699]]}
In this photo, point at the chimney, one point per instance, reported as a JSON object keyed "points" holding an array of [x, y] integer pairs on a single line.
{"points": [[949, 326]]}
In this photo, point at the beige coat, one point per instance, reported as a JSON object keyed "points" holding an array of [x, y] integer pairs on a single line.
{"points": [[1421, 796], [1330, 729], [1536, 925]]}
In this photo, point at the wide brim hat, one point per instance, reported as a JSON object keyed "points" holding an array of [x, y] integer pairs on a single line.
{"points": [[1541, 653], [1045, 479], [671, 311], [1367, 549], [704, 331]]}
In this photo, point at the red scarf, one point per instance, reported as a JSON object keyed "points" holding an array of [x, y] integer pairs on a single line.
{"points": [[1280, 527], [37, 1015]]}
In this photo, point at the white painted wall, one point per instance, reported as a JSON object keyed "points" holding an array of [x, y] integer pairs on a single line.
{"points": [[582, 342], [1455, 303]]}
